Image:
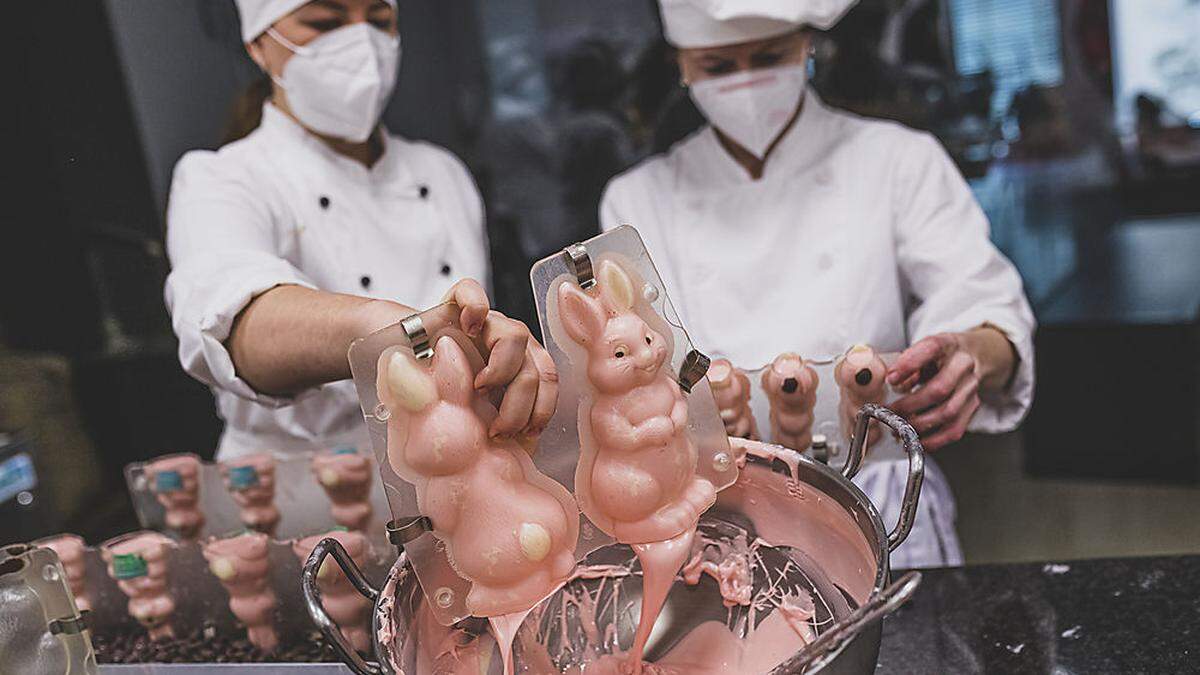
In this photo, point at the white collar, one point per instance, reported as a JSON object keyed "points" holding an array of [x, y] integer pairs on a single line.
{"points": [[284, 129]]}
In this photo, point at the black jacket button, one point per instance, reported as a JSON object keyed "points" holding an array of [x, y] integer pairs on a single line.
{"points": [[324, 202], [365, 281], [424, 191], [445, 270]]}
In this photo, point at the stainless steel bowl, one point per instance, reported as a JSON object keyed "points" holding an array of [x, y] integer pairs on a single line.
{"points": [[832, 526]]}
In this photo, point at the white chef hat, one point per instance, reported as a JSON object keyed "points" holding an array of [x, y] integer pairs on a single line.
{"points": [[715, 23], [258, 15]]}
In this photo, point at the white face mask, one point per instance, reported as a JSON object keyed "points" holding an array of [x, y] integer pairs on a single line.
{"points": [[339, 84], [754, 106]]}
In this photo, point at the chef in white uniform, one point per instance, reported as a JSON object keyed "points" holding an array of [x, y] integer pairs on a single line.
{"points": [[787, 225], [320, 227]]}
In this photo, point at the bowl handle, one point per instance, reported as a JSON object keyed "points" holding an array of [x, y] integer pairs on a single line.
{"points": [[825, 647], [916, 463], [312, 600]]}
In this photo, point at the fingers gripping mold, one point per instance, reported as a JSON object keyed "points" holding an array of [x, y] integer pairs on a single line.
{"points": [[508, 530], [791, 387], [175, 480], [637, 476], [731, 389], [251, 483]]}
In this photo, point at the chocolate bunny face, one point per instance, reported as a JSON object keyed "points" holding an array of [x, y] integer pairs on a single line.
{"points": [[623, 351]]}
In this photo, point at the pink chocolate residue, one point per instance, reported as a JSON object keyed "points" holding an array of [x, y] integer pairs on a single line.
{"points": [[731, 389], [241, 565]]}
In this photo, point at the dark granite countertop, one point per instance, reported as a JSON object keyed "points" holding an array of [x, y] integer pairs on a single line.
{"points": [[1133, 615]]}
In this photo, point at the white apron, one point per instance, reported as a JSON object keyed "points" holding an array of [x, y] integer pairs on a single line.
{"points": [[280, 207], [858, 231]]}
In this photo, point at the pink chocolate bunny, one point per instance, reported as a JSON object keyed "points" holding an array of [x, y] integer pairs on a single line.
{"points": [[241, 564], [346, 606], [636, 478], [139, 564], [70, 550], [731, 388], [251, 483], [175, 481], [347, 478], [860, 377], [791, 387], [508, 529]]}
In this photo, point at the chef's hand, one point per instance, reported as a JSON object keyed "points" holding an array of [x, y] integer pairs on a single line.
{"points": [[945, 376], [515, 363]]}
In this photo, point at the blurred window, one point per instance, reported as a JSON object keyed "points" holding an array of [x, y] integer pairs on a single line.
{"points": [[1017, 41]]}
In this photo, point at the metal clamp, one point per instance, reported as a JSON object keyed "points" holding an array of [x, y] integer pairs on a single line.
{"points": [[71, 625], [820, 651], [312, 601], [916, 463], [400, 532], [694, 368], [414, 328], [581, 265]]}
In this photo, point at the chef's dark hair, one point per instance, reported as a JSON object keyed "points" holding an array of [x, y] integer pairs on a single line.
{"points": [[246, 112]]}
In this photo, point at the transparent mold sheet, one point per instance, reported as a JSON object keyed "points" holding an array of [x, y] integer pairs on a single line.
{"points": [[304, 505], [201, 601], [826, 418], [33, 596], [560, 450], [407, 489]]}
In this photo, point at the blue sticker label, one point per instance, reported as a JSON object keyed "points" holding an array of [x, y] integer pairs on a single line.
{"points": [[168, 481], [242, 477], [16, 476]]}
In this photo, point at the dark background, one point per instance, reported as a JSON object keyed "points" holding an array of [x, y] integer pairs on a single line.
{"points": [[1092, 193]]}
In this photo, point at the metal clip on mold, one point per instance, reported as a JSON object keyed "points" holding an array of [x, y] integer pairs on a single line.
{"points": [[71, 625], [414, 328], [694, 368], [402, 531], [581, 265]]}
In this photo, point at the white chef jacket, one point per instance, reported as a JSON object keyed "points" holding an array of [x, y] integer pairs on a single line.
{"points": [[858, 231], [280, 207]]}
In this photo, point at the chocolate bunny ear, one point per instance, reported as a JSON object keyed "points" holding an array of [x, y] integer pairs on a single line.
{"points": [[616, 287], [406, 385], [581, 316]]}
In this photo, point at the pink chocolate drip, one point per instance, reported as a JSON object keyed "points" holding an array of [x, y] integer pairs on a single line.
{"points": [[150, 602], [346, 478], [70, 550], [507, 528], [661, 561], [791, 388], [346, 606], [257, 502], [241, 564], [182, 505], [731, 388]]}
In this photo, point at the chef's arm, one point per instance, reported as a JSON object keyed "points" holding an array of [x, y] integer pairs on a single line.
{"points": [[292, 338]]}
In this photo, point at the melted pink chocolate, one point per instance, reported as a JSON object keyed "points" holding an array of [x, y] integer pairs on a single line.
{"points": [[791, 388], [241, 565], [346, 606], [508, 529], [731, 389], [257, 502], [346, 477], [150, 602], [70, 550], [182, 505]]}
